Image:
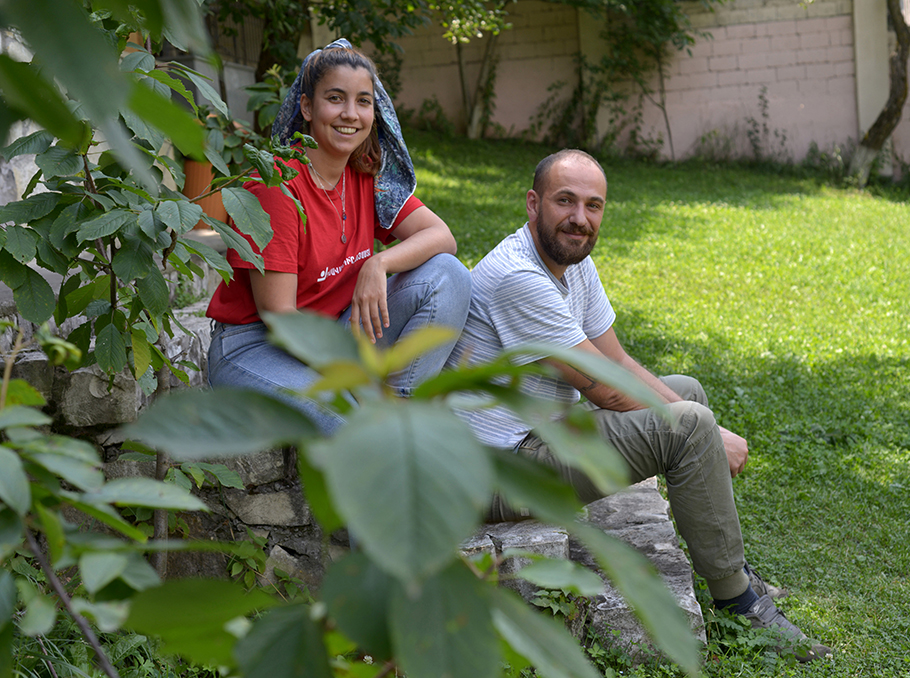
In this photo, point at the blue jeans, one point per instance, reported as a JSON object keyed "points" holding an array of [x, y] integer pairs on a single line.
{"points": [[436, 293]]}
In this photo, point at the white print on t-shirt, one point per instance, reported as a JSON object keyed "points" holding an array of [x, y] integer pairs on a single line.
{"points": [[335, 270]]}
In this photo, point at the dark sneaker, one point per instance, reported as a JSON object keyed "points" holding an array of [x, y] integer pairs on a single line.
{"points": [[765, 615], [763, 588]]}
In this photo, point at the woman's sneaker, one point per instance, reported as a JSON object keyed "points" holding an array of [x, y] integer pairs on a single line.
{"points": [[764, 614], [763, 588]]}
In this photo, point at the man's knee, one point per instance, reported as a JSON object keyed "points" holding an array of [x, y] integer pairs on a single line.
{"points": [[697, 429], [686, 387]]}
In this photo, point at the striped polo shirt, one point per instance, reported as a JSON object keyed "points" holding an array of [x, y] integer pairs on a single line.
{"points": [[516, 300]]}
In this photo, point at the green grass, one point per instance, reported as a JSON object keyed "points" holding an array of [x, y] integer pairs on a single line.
{"points": [[790, 301]]}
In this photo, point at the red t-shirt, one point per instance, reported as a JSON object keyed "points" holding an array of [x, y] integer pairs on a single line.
{"points": [[326, 268]]}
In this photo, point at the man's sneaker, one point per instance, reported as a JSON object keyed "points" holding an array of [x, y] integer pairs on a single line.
{"points": [[763, 588], [765, 615]]}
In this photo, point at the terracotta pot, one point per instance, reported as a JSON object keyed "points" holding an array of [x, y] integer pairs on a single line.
{"points": [[199, 181]]}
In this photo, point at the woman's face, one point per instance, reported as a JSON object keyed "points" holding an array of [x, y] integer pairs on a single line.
{"points": [[340, 114]]}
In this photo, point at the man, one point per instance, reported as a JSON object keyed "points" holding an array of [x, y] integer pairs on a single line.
{"points": [[539, 284]]}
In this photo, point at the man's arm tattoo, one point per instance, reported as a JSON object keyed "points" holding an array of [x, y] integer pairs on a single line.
{"points": [[592, 384]]}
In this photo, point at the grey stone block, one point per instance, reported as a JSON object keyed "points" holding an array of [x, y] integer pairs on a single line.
{"points": [[274, 508], [258, 469]]}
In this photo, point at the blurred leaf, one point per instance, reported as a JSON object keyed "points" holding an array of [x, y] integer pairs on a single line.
{"points": [[206, 606], [20, 392], [106, 515], [15, 490], [315, 339], [427, 458], [542, 640], [587, 451], [357, 594], [142, 352], [9, 597], [22, 416], [33, 96], [78, 473], [108, 616], [446, 629], [53, 531], [403, 352], [145, 492], [219, 423], [11, 532], [524, 483], [555, 574], [317, 495], [248, 215], [98, 569], [39, 618], [163, 114], [283, 643], [635, 578]]}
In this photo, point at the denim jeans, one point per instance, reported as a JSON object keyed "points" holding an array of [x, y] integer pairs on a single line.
{"points": [[436, 293], [691, 458]]}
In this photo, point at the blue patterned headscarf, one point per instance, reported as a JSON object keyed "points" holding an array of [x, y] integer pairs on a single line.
{"points": [[396, 181]]}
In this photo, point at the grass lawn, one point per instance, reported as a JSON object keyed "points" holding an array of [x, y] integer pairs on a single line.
{"points": [[790, 301]]}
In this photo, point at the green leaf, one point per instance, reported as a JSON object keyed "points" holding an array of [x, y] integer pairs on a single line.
{"points": [[22, 416], [29, 93], [600, 369], [219, 423], [205, 89], [436, 481], [206, 606], [264, 163], [209, 255], [225, 476], [52, 524], [105, 514], [317, 495], [357, 594], [12, 272], [139, 60], [284, 643], [85, 476], [100, 569], [153, 292], [176, 86], [34, 298], [315, 339], [554, 574], [11, 532], [110, 349], [59, 161], [525, 483], [142, 352], [180, 215], [235, 241], [108, 616], [183, 26], [138, 574], [8, 598], [133, 260], [635, 578], [31, 209], [248, 215], [105, 224], [15, 490], [542, 640], [36, 142], [20, 392], [22, 243], [586, 450], [39, 618], [145, 492], [445, 629], [163, 114], [143, 130]]}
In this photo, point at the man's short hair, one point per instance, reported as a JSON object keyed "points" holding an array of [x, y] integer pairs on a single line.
{"points": [[542, 173]]}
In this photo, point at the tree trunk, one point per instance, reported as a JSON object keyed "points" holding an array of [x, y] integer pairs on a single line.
{"points": [[474, 126], [890, 117], [462, 77]]}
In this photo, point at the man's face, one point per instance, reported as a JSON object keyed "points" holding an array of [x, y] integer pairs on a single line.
{"points": [[569, 211]]}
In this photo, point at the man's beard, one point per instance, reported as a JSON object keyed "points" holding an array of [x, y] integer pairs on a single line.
{"points": [[559, 253]]}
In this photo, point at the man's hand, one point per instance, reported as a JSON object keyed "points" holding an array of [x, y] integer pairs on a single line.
{"points": [[737, 451]]}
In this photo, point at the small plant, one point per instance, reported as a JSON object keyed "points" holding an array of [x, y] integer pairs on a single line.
{"points": [[760, 134], [432, 117]]}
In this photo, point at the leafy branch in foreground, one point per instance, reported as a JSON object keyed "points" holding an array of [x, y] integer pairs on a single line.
{"points": [[410, 482]]}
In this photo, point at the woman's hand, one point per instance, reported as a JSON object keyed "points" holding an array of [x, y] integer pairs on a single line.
{"points": [[369, 305]]}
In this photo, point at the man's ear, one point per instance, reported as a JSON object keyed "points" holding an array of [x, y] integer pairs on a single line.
{"points": [[306, 107], [532, 205]]}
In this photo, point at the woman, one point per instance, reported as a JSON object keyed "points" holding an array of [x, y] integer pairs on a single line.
{"points": [[357, 186]]}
